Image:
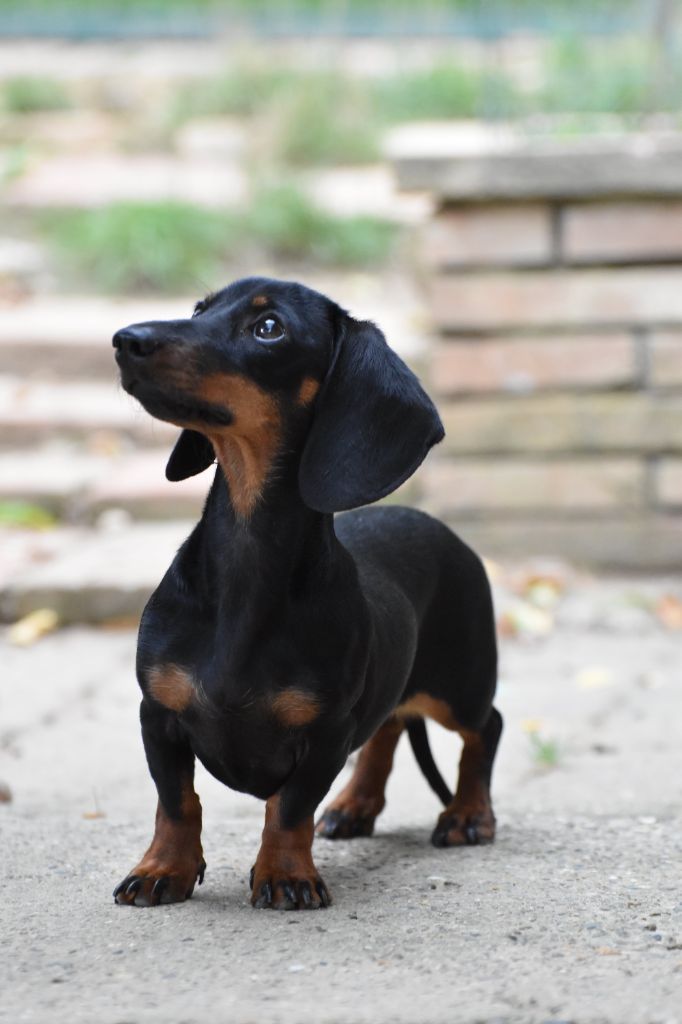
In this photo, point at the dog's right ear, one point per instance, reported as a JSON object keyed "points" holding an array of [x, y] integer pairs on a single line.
{"points": [[193, 453]]}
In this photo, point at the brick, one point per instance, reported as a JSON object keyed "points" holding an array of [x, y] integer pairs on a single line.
{"points": [[518, 484], [498, 163], [621, 231], [648, 543], [460, 366], [665, 358], [564, 423], [669, 482], [572, 298], [488, 234]]}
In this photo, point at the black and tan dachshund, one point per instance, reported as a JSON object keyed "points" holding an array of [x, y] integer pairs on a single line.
{"points": [[281, 639]]}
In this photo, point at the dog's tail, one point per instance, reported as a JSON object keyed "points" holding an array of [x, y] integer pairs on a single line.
{"points": [[419, 741]]}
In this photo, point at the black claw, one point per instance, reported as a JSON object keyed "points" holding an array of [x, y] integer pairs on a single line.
{"points": [[120, 887], [471, 833], [265, 898], [202, 872], [289, 895], [329, 824], [325, 898], [133, 886], [158, 889], [439, 837], [306, 894], [252, 872]]}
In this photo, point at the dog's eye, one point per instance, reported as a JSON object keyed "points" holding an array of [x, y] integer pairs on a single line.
{"points": [[268, 329]]}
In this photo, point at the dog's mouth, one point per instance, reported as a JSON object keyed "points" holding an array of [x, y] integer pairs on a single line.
{"points": [[174, 406]]}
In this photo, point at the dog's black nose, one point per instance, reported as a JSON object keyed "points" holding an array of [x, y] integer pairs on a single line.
{"points": [[138, 341]]}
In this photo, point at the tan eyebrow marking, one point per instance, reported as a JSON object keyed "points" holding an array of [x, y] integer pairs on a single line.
{"points": [[260, 300], [307, 391]]}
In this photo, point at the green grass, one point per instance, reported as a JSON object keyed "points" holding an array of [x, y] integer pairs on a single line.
{"points": [[545, 752], [168, 247], [28, 94], [137, 247], [26, 515], [447, 91], [326, 119], [285, 223]]}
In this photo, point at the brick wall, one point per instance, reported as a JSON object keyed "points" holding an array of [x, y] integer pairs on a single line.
{"points": [[554, 279]]}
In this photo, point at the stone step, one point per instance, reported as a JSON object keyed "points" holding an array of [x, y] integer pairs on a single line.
{"points": [[85, 575], [55, 337], [37, 411], [77, 485]]}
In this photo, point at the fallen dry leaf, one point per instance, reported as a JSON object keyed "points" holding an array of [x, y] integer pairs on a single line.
{"points": [[524, 619], [669, 611], [26, 631], [593, 677]]}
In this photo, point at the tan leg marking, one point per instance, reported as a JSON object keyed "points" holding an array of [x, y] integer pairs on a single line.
{"points": [[423, 706], [284, 876], [171, 686], [169, 869], [295, 707], [469, 818], [354, 810]]}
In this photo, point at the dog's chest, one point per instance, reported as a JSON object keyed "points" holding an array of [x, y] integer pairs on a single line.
{"points": [[248, 733]]}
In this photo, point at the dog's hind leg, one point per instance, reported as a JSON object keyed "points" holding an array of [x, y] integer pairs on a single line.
{"points": [[355, 809], [469, 819]]}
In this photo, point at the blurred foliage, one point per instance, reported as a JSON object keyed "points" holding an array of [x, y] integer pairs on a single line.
{"points": [[138, 246], [447, 90], [27, 94], [243, 92], [26, 515], [170, 246], [288, 225], [619, 78], [327, 119]]}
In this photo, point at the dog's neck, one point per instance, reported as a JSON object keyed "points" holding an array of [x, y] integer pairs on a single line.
{"points": [[280, 548]]}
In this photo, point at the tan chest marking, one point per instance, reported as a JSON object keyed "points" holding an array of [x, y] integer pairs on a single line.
{"points": [[295, 707], [171, 686], [246, 449], [424, 706]]}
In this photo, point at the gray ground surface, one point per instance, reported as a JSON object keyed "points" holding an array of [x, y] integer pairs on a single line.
{"points": [[575, 914]]}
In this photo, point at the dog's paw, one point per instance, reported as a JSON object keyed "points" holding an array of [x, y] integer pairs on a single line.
{"points": [[309, 893], [464, 829], [343, 825], [148, 885]]}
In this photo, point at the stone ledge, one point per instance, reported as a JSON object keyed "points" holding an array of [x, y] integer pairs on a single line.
{"points": [[481, 162]]}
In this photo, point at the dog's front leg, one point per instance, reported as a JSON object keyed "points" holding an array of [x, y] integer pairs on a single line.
{"points": [[169, 869], [284, 876]]}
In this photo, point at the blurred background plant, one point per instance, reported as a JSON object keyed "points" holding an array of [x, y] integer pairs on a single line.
{"points": [[279, 111]]}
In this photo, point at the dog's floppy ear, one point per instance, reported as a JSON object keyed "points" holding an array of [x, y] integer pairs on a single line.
{"points": [[192, 454], [373, 424]]}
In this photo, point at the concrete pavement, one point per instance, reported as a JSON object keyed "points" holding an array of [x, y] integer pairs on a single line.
{"points": [[575, 914]]}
